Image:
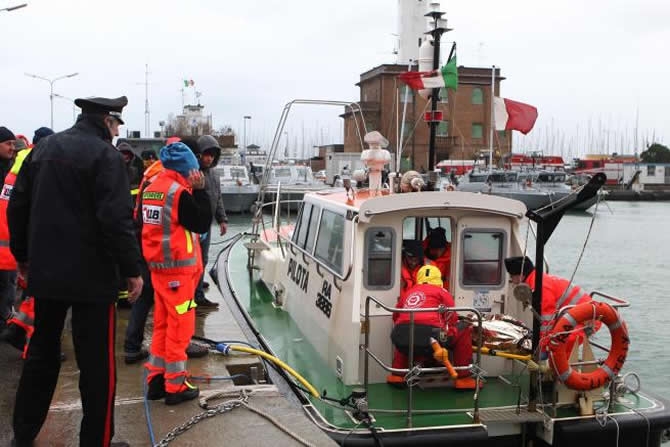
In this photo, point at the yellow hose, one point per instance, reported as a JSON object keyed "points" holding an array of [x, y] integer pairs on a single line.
{"points": [[278, 362], [507, 355]]}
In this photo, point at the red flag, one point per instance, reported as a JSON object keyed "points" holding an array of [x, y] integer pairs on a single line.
{"points": [[513, 115]]}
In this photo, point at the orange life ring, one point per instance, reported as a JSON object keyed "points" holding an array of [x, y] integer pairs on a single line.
{"points": [[558, 346]]}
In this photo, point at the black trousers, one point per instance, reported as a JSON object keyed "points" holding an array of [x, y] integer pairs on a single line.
{"points": [[93, 334]]}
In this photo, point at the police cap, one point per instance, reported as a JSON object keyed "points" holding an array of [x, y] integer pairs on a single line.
{"points": [[104, 106]]}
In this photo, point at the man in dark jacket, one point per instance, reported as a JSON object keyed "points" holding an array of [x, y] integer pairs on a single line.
{"points": [[208, 154], [71, 232]]}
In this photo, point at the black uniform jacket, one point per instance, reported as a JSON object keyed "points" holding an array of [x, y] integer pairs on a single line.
{"points": [[70, 216]]}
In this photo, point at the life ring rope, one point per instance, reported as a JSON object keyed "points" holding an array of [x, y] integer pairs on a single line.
{"points": [[559, 344]]}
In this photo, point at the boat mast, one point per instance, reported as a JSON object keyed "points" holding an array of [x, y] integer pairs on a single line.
{"points": [[492, 125], [439, 28]]}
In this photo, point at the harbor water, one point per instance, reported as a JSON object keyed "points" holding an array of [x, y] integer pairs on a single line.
{"points": [[626, 255]]}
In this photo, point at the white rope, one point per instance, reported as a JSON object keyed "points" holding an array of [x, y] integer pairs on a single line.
{"points": [[278, 424]]}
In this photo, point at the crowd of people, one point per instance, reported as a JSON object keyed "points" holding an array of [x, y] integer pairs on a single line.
{"points": [[136, 232]]}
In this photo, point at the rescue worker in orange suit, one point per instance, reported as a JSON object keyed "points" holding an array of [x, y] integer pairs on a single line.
{"points": [[457, 336], [8, 270], [412, 260], [438, 250], [20, 327], [555, 294], [177, 205]]}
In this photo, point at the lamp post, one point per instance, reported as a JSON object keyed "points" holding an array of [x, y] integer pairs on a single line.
{"points": [[74, 112], [14, 8], [51, 92], [246, 117], [439, 27]]}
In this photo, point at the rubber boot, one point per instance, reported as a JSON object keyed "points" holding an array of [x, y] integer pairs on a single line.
{"points": [[188, 392], [156, 388]]}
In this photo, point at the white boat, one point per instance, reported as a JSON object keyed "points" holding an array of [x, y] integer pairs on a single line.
{"points": [[237, 191], [319, 291]]}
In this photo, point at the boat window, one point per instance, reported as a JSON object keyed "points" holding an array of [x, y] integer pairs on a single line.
{"points": [[281, 172], [477, 178], [303, 235], [330, 243], [651, 170], [482, 258], [379, 260], [416, 228], [238, 173], [312, 229]]}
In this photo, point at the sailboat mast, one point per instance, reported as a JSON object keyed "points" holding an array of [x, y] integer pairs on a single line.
{"points": [[493, 84]]}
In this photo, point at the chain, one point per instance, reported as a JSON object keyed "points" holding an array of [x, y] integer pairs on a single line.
{"points": [[222, 408]]}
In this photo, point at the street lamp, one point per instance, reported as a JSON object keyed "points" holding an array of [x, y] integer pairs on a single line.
{"points": [[14, 8], [246, 117], [74, 112], [51, 93]]}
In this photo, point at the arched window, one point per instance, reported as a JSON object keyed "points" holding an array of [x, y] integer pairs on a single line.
{"points": [[477, 96]]}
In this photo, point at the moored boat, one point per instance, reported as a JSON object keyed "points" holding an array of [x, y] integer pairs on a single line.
{"points": [[322, 295]]}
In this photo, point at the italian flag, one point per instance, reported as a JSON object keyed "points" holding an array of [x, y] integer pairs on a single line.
{"points": [[513, 115], [447, 77]]}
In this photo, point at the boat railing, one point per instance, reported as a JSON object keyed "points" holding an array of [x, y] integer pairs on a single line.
{"points": [[417, 369]]}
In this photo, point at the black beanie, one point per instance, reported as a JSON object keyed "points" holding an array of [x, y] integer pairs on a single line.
{"points": [[6, 134], [41, 133], [514, 264]]}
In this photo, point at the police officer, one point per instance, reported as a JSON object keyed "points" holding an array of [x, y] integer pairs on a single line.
{"points": [[71, 232]]}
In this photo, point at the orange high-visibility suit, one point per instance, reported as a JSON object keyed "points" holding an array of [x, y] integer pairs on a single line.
{"points": [[172, 253]]}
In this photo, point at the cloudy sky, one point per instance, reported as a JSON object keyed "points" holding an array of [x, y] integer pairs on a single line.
{"points": [[590, 67]]}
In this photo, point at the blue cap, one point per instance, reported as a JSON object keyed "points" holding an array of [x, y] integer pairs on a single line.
{"points": [[178, 157]]}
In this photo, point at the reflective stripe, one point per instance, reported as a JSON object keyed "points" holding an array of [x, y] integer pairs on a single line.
{"points": [[123, 294], [172, 264], [176, 380], [189, 241], [576, 298], [134, 192], [167, 216], [4, 243], [168, 262], [566, 295], [570, 318], [546, 317], [158, 362], [607, 369], [24, 318], [185, 307], [614, 326], [563, 377], [175, 367]]}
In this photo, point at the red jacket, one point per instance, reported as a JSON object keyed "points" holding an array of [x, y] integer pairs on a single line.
{"points": [[7, 261], [423, 296], [553, 289], [443, 262]]}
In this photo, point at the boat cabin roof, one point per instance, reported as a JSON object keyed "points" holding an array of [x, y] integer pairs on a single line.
{"points": [[368, 204]]}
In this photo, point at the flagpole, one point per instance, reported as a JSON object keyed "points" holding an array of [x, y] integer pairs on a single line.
{"points": [[493, 84], [402, 126], [439, 27]]}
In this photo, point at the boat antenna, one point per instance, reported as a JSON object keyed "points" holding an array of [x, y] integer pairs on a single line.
{"points": [[493, 92], [439, 28]]}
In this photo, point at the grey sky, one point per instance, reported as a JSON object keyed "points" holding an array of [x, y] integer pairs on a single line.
{"points": [[584, 65]]}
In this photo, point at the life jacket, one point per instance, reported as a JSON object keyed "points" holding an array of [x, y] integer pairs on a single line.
{"points": [[167, 246], [555, 296], [7, 261], [149, 176]]}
